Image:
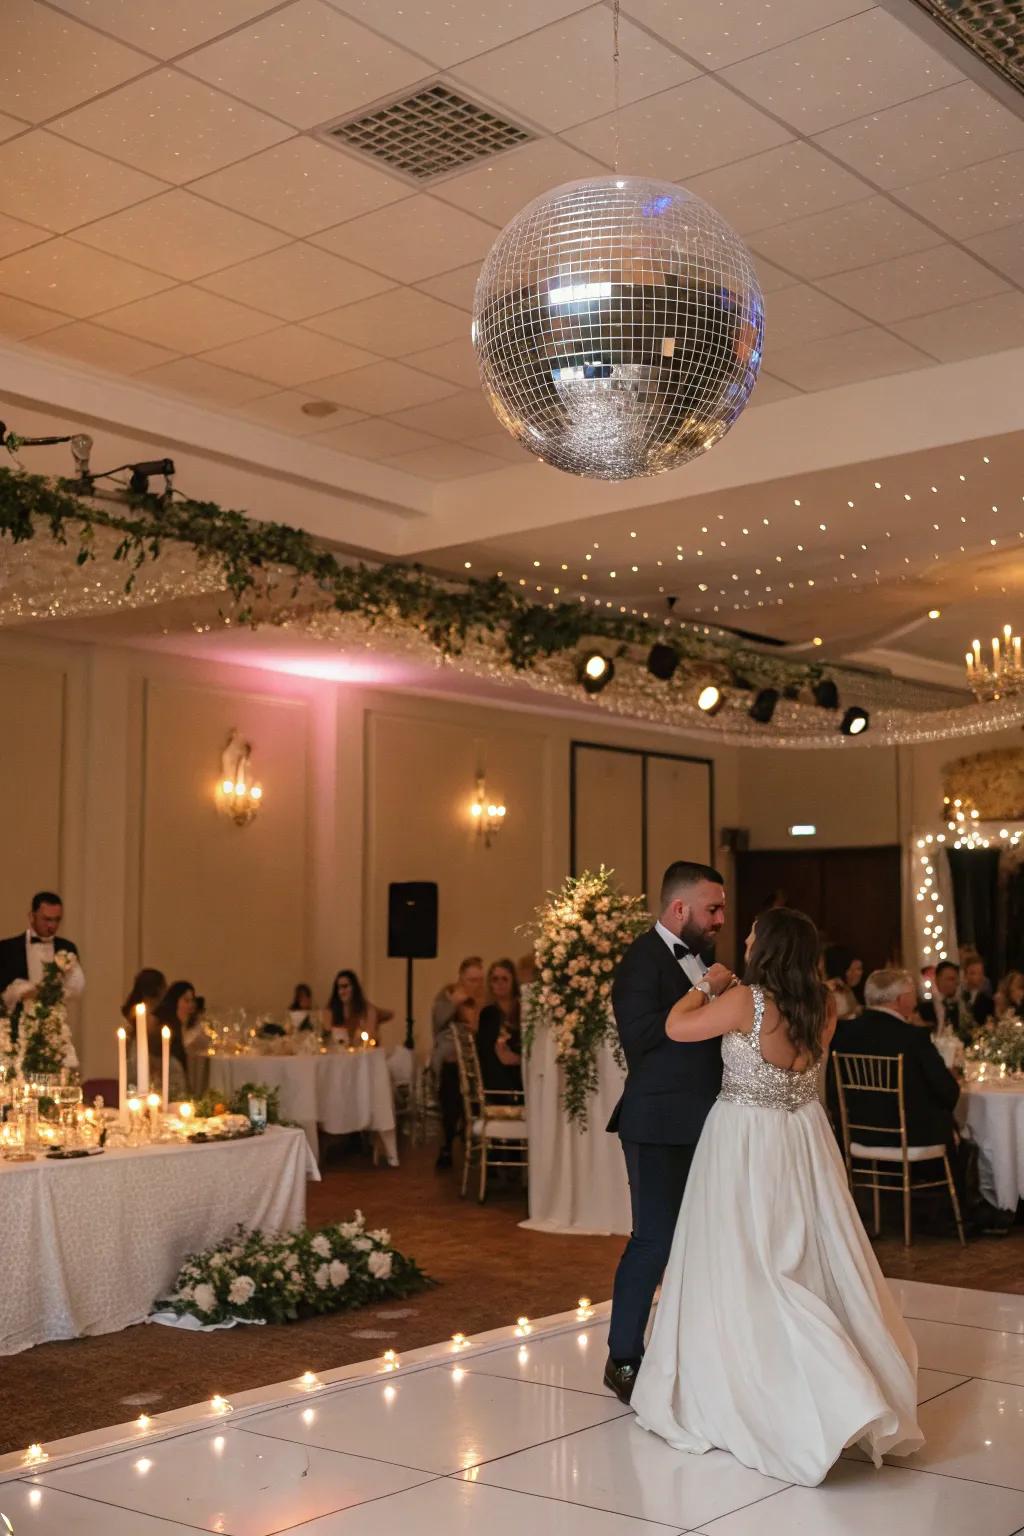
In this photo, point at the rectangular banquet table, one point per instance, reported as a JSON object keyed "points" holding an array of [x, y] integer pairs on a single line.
{"points": [[90, 1244], [993, 1111], [344, 1091]]}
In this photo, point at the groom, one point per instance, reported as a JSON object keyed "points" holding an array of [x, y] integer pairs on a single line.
{"points": [[670, 1088]]}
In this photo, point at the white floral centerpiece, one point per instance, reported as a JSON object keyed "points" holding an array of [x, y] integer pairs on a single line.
{"points": [[582, 932], [1000, 1044], [37, 1037], [278, 1277]]}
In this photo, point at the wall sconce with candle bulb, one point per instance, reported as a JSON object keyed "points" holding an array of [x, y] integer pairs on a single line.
{"points": [[486, 812], [239, 795]]}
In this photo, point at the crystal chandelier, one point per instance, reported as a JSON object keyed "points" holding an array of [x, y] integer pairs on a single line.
{"points": [[1002, 677]]}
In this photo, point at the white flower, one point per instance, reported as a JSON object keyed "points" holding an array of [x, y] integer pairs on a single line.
{"points": [[321, 1245], [338, 1273], [379, 1265], [362, 1244], [204, 1298], [216, 1261], [242, 1290], [383, 1236], [322, 1278]]}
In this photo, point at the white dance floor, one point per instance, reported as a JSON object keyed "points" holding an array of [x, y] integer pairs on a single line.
{"points": [[515, 1436]]}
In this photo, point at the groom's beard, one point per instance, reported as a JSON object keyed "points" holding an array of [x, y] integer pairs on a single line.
{"points": [[697, 939]]}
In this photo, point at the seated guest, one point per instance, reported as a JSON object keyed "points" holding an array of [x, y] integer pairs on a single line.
{"points": [[300, 1009], [498, 1036], [148, 988], [350, 1013], [947, 1009], [977, 989], [1009, 1000], [458, 1003], [177, 1010], [843, 973], [930, 1091]]}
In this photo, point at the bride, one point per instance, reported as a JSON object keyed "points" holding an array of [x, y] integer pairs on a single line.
{"points": [[776, 1337]]}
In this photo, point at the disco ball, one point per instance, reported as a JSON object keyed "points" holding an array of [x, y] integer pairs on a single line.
{"points": [[618, 326]]}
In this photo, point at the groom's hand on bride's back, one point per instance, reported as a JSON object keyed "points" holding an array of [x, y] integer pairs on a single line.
{"points": [[719, 978]]}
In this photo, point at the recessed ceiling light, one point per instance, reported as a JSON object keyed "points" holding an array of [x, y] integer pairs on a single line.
{"points": [[318, 408]]}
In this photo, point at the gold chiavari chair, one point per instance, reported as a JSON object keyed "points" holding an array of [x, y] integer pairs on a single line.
{"points": [[886, 1166], [496, 1134]]}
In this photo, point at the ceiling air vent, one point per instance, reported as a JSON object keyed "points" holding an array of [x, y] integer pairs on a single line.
{"points": [[431, 132]]}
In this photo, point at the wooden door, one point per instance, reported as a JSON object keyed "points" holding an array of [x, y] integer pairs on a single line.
{"points": [[853, 894]]}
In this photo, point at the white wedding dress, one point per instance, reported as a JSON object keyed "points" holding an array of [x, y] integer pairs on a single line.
{"points": [[776, 1337]]}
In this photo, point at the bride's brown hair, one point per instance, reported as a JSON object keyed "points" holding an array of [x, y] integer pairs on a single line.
{"points": [[784, 963]]}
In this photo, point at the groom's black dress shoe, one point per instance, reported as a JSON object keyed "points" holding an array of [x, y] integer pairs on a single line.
{"points": [[621, 1378]]}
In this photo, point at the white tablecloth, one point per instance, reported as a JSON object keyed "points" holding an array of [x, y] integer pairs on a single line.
{"points": [[995, 1115], [343, 1091], [577, 1178], [89, 1245]]}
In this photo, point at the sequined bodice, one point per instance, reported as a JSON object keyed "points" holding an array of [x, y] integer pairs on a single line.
{"points": [[749, 1079]]}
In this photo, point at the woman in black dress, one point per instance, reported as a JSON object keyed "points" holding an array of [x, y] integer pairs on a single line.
{"points": [[499, 1035]]}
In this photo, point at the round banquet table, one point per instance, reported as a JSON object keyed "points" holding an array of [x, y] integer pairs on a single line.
{"points": [[343, 1091], [577, 1178], [993, 1111]]}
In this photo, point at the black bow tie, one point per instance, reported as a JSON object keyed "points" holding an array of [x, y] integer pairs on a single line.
{"points": [[681, 951], [35, 940]]}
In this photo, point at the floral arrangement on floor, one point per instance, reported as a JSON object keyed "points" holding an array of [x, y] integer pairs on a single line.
{"points": [[36, 1037], [257, 1277], [1000, 1044], [237, 1103], [582, 932]]}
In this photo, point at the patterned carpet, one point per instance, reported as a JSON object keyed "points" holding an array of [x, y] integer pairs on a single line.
{"points": [[489, 1270]]}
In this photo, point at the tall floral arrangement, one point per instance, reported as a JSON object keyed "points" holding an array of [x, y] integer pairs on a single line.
{"points": [[37, 1038], [582, 932]]}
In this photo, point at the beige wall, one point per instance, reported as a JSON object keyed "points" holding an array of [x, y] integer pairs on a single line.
{"points": [[851, 797]]}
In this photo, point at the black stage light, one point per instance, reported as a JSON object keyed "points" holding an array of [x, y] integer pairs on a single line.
{"points": [[595, 671], [855, 721], [710, 699], [764, 704], [826, 694], [662, 661]]}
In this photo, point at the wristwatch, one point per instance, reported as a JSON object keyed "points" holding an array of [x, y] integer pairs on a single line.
{"points": [[704, 986]]}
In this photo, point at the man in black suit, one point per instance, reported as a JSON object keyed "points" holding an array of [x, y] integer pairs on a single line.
{"points": [[22, 957], [930, 1091], [950, 1008], [669, 1091]]}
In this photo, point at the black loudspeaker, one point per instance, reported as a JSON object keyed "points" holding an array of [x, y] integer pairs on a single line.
{"points": [[734, 840], [412, 920]]}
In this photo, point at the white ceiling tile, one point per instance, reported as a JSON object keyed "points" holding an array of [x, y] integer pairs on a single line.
{"points": [[969, 330], [383, 387], [296, 282], [171, 127], [502, 445], [969, 202], [456, 360], [771, 278], [18, 320], [682, 132], [1004, 248], [914, 285], [871, 230], [455, 287], [449, 30], [864, 64], [47, 181], [301, 187], [307, 64], [284, 412], [718, 32], [803, 314], [867, 354], [769, 389], [961, 125], [100, 348], [412, 240], [50, 63], [396, 323], [462, 416], [200, 380], [782, 184], [290, 355], [17, 236], [181, 235], [375, 439], [560, 74], [74, 279], [498, 190], [165, 27], [187, 319], [9, 126], [449, 461]]}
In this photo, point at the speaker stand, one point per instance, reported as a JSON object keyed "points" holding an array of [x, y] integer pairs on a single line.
{"points": [[410, 1040]]}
